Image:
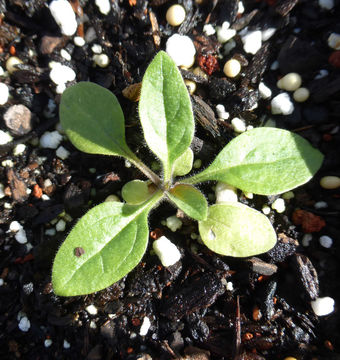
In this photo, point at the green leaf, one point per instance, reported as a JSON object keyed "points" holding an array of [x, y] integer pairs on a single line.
{"points": [[190, 200], [264, 161], [93, 120], [183, 164], [137, 191], [165, 112], [106, 243], [234, 229]]}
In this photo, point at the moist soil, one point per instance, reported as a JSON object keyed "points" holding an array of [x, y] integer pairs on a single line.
{"points": [[205, 306]]}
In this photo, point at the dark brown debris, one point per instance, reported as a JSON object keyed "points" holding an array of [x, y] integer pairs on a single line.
{"points": [[261, 267], [17, 185], [307, 275]]}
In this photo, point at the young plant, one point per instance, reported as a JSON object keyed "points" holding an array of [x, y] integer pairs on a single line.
{"points": [[111, 238]]}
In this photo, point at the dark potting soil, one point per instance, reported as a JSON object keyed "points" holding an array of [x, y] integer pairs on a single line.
{"points": [[205, 306]]}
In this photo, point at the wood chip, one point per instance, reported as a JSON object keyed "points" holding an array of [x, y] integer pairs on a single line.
{"points": [[17, 185]]}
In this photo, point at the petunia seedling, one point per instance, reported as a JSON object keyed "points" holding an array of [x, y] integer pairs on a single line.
{"points": [[112, 237]]}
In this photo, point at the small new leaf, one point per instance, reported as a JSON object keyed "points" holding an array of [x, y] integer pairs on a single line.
{"points": [[165, 111], [183, 164], [106, 243], [234, 229], [190, 200], [93, 120], [264, 161], [137, 191]]}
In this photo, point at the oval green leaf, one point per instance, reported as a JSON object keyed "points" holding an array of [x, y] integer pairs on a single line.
{"points": [[165, 111], [106, 243], [190, 200], [137, 191], [93, 120], [264, 161], [234, 229], [183, 164]]}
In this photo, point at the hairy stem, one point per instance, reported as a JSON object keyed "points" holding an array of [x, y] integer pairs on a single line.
{"points": [[145, 169]]}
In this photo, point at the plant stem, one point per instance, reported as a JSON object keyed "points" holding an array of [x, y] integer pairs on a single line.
{"points": [[145, 169]]}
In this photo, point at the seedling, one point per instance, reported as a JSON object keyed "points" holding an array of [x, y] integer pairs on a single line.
{"points": [[111, 238]]}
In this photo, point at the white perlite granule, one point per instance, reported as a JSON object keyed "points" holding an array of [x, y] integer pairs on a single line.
{"points": [[4, 93], [64, 16], [281, 104], [145, 326], [323, 306], [181, 49], [166, 251], [50, 139]]}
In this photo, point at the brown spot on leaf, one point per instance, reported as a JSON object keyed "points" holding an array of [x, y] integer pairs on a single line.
{"points": [[79, 251]]}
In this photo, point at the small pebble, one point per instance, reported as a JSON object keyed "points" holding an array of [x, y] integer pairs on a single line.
{"points": [[191, 85], [326, 4], [64, 16], [61, 225], [232, 68], [18, 119], [208, 30], [238, 125], [1, 282], [240, 9], [181, 49], [5, 138], [93, 325], [2, 193], [4, 93], [175, 15], [90, 34], [48, 343], [24, 324], [79, 41], [266, 209], [321, 205], [61, 74], [101, 60], [323, 306], [173, 223], [334, 41], [62, 153], [248, 195], [91, 309], [166, 251], [225, 193], [267, 33], [221, 113], [290, 82], [19, 149], [50, 139], [322, 73], [275, 65], [65, 55], [306, 239], [28, 288], [145, 326], [252, 41], [264, 91], [50, 232], [224, 34], [281, 104], [97, 49], [279, 205], [104, 6], [11, 63], [330, 182], [2, 72], [326, 241], [66, 344], [301, 94]]}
